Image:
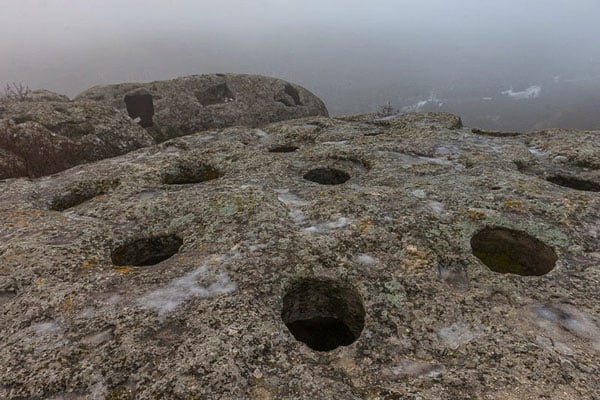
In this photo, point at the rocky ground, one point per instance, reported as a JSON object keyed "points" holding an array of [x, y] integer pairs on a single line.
{"points": [[42, 133], [168, 109], [404, 257]]}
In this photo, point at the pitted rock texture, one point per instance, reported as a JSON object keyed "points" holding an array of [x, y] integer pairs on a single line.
{"points": [[181, 106], [48, 133], [382, 263]]}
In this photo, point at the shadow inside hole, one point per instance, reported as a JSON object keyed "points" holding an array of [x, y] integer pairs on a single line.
{"points": [[327, 176], [146, 251], [140, 105], [7, 295], [574, 183], [189, 174], [81, 193], [290, 96], [283, 149], [323, 314], [217, 94], [515, 252]]}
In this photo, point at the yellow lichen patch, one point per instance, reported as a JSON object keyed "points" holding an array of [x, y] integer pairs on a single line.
{"points": [[514, 205], [365, 225], [68, 305], [203, 247], [261, 392], [475, 215], [26, 213], [417, 260], [20, 218], [40, 282], [216, 260], [238, 204], [91, 263], [124, 270]]}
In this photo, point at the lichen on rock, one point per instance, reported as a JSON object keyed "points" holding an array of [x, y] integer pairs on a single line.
{"points": [[446, 265]]}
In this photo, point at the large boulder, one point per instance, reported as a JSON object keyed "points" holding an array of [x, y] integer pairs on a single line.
{"points": [[190, 104], [317, 258], [45, 133]]}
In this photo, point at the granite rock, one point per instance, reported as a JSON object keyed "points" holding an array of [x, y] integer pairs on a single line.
{"points": [[181, 106], [46, 133], [316, 258]]}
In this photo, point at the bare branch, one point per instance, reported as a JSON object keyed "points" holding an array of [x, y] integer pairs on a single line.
{"points": [[17, 91]]}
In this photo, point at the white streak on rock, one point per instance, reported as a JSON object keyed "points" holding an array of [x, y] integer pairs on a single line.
{"points": [[458, 334], [537, 152], [329, 226], [167, 299], [365, 259], [290, 199], [436, 207], [418, 369], [46, 328]]}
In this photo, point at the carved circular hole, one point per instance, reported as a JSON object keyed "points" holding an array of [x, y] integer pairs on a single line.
{"points": [[81, 193], [323, 314], [327, 176], [508, 251], [189, 174], [146, 251], [574, 183], [283, 149]]}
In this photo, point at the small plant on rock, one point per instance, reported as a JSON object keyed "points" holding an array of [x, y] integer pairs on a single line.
{"points": [[387, 110], [17, 91]]}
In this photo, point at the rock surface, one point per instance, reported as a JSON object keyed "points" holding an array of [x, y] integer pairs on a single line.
{"points": [[378, 282], [190, 104], [46, 133]]}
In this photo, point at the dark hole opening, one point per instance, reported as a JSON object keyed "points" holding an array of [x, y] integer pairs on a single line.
{"points": [[289, 97], [140, 105], [7, 294], [574, 183], [323, 314], [283, 149], [189, 174], [327, 176], [215, 95], [509, 251], [146, 251], [77, 195], [293, 93]]}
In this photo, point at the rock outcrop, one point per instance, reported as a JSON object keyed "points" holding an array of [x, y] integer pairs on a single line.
{"points": [[356, 258], [190, 104], [46, 133]]}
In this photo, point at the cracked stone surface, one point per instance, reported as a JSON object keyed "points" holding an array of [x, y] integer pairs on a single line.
{"points": [[207, 321]]}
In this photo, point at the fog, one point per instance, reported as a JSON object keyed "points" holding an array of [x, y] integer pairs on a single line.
{"points": [[510, 65]]}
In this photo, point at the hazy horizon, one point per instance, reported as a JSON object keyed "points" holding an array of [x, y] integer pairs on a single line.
{"points": [[469, 57]]}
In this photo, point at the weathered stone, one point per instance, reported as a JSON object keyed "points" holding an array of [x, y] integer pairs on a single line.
{"points": [[190, 104], [253, 282], [45, 134], [45, 95]]}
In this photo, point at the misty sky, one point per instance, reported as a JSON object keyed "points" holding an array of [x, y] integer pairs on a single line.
{"points": [[355, 54]]}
